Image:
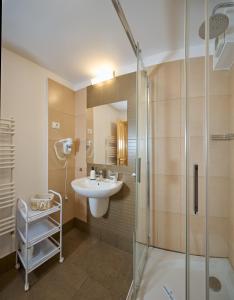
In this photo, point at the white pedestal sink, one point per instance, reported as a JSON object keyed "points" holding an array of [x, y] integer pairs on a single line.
{"points": [[98, 192]]}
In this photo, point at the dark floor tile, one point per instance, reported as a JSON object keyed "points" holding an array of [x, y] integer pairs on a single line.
{"points": [[109, 266], [107, 258], [67, 274], [12, 286], [72, 241], [91, 270], [92, 290]]}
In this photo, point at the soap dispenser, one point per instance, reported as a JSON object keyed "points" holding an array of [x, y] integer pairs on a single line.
{"points": [[92, 174]]}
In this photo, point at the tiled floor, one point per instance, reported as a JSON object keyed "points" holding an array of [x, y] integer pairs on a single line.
{"points": [[92, 270]]}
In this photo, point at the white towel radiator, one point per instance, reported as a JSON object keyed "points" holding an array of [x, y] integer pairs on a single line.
{"points": [[7, 187]]}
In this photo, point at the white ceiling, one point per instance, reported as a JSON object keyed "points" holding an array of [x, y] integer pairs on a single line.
{"points": [[75, 38]]}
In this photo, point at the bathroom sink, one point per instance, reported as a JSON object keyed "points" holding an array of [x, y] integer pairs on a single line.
{"points": [[98, 192], [95, 188]]}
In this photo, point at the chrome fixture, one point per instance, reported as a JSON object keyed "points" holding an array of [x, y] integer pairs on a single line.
{"points": [[125, 24], [215, 284], [99, 175], [222, 137], [112, 175], [218, 22]]}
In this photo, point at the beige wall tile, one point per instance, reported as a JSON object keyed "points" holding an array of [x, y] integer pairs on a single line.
{"points": [[141, 228], [196, 77], [154, 228], [153, 80], [231, 254], [168, 156], [231, 79], [196, 117], [231, 200], [169, 231], [231, 162], [218, 195], [231, 113], [219, 158], [56, 182], [61, 98], [218, 236], [219, 114], [231, 240], [196, 155], [67, 125], [168, 194], [153, 119], [169, 80], [168, 118], [219, 82], [154, 190], [196, 235]]}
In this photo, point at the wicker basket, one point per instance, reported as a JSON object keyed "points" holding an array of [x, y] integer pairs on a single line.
{"points": [[41, 201]]}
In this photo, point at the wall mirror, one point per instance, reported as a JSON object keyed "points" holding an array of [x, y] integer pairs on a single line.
{"points": [[107, 134]]}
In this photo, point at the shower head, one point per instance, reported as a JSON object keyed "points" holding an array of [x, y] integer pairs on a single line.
{"points": [[218, 23]]}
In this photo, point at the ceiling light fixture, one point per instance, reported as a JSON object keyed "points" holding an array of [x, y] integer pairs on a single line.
{"points": [[103, 76]]}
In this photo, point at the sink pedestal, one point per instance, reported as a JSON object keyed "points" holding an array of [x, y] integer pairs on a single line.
{"points": [[98, 206]]}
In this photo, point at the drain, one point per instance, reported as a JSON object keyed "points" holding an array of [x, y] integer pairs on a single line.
{"points": [[215, 284], [169, 293]]}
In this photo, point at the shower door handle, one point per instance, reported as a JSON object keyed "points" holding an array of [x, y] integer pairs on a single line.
{"points": [[195, 173], [139, 170], [138, 173]]}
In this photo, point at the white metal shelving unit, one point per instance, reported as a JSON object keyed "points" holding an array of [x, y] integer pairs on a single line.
{"points": [[36, 229]]}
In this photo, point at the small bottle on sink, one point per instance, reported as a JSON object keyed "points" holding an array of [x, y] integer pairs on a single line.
{"points": [[92, 174]]}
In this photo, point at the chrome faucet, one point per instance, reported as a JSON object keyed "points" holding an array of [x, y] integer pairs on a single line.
{"points": [[112, 175], [100, 175]]}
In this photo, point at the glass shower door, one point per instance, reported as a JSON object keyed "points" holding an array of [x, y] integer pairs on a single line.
{"points": [[220, 116], [142, 197], [195, 153], [210, 148]]}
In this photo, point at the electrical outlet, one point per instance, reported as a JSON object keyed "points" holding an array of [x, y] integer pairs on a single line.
{"points": [[55, 125]]}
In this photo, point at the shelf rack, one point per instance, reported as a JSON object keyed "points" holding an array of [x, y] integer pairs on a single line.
{"points": [[36, 229], [7, 185], [222, 137]]}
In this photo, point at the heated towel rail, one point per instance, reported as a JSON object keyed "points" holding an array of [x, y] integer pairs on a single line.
{"points": [[7, 185]]}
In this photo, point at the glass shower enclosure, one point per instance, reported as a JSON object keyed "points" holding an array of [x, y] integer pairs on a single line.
{"points": [[210, 202], [206, 176], [141, 228]]}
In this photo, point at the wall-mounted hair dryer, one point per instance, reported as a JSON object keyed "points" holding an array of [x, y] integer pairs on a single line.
{"points": [[66, 145], [63, 147]]}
